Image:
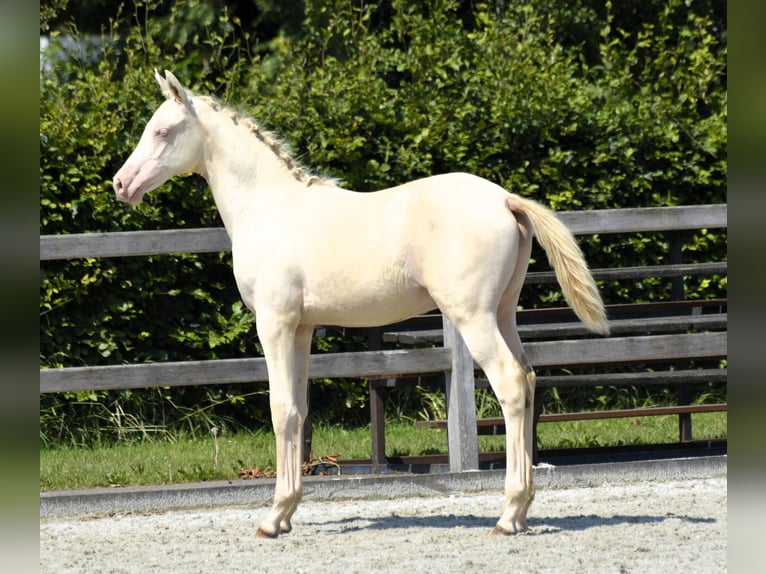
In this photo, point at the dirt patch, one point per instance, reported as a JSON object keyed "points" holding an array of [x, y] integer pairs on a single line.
{"points": [[639, 527]]}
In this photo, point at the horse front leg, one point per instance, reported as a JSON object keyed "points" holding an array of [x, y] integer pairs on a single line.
{"points": [[287, 356]]}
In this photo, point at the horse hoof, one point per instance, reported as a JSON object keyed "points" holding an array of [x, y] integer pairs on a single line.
{"points": [[261, 533], [499, 530]]}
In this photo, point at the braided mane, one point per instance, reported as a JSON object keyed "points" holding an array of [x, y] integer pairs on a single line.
{"points": [[277, 146]]}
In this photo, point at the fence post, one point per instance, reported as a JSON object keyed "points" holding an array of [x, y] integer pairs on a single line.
{"points": [[461, 404]]}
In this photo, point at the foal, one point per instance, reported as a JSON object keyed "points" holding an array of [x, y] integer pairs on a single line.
{"points": [[307, 252]]}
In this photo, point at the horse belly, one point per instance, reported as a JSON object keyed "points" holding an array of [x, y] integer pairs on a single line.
{"points": [[360, 300]]}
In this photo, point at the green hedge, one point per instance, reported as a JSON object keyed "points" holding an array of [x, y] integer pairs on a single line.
{"points": [[581, 105]]}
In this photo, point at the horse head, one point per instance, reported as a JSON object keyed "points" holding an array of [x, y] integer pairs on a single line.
{"points": [[170, 145]]}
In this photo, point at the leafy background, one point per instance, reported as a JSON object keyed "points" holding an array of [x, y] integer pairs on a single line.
{"points": [[583, 104]]}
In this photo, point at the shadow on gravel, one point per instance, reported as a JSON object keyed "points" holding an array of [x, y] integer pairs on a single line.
{"points": [[585, 522], [403, 522], [537, 525]]}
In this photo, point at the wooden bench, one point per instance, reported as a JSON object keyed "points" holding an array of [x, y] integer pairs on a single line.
{"points": [[677, 342]]}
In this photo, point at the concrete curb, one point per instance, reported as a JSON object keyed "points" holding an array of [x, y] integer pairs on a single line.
{"points": [[260, 492]]}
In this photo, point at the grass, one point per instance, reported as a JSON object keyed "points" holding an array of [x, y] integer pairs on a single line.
{"points": [[193, 459]]}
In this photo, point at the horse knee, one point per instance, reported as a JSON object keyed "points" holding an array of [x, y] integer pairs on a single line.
{"points": [[287, 416]]}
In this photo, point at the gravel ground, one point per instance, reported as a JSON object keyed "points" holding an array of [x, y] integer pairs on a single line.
{"points": [[655, 526]]}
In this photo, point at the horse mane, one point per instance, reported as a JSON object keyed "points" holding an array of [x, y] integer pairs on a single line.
{"points": [[279, 147]]}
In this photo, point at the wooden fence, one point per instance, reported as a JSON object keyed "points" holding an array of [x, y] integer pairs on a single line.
{"points": [[452, 357]]}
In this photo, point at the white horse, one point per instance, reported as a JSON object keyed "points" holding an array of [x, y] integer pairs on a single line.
{"points": [[307, 252]]}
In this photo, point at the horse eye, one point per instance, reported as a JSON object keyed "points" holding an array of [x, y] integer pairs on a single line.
{"points": [[162, 132]]}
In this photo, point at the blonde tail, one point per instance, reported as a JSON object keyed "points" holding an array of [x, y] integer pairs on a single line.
{"points": [[567, 261]]}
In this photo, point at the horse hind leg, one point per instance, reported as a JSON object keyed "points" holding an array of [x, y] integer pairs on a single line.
{"points": [[521, 416], [519, 420], [512, 381]]}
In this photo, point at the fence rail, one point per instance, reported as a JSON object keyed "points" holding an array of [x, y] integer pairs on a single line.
{"points": [[365, 364], [214, 239]]}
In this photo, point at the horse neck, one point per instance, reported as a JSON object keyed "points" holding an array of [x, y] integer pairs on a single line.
{"points": [[241, 167]]}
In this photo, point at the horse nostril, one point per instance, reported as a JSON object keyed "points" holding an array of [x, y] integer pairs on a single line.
{"points": [[117, 184]]}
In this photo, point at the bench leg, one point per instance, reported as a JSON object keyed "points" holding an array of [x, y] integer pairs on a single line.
{"points": [[308, 428], [378, 425], [538, 409], [684, 419]]}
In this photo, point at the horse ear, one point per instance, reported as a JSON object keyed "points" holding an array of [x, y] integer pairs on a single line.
{"points": [[162, 82], [174, 87]]}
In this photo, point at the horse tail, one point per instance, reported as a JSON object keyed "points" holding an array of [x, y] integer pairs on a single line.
{"points": [[568, 263]]}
